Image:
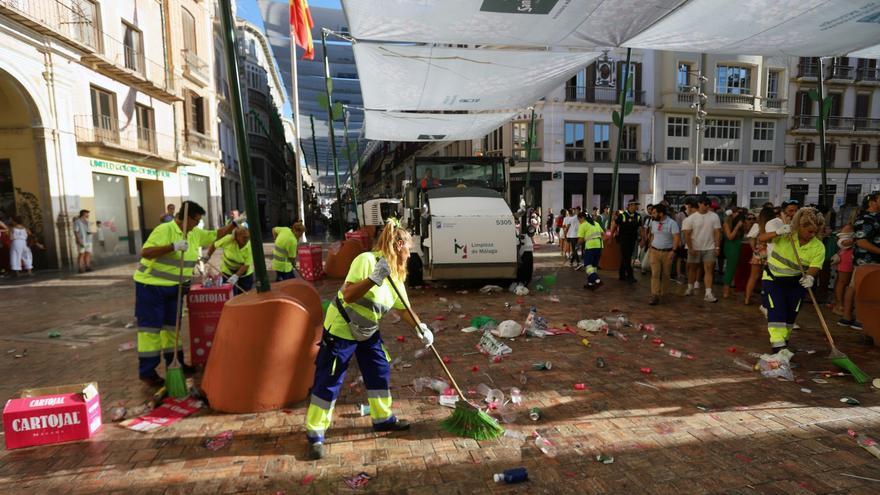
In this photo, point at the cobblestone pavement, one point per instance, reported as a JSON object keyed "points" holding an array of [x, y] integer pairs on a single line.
{"points": [[696, 425]]}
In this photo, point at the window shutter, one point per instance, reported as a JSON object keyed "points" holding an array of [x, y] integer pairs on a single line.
{"points": [[637, 84], [866, 152], [797, 103], [811, 151]]}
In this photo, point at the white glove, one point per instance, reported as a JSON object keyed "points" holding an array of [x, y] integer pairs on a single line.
{"points": [[233, 279], [426, 336], [380, 272], [181, 245], [784, 229], [807, 281]]}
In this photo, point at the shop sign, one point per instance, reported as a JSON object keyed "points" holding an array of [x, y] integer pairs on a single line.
{"points": [[720, 180], [762, 181], [127, 168]]}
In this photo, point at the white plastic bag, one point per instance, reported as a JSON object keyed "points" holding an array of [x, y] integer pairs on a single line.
{"points": [[593, 325], [508, 329]]}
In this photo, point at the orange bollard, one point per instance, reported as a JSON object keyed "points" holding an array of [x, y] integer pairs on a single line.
{"points": [[867, 285], [264, 350], [339, 260]]}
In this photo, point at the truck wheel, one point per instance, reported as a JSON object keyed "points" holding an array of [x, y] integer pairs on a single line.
{"points": [[414, 272]]}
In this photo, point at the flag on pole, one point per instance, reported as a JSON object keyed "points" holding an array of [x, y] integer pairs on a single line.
{"points": [[301, 25]]}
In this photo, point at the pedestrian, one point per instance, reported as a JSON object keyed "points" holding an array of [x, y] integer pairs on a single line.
{"points": [[156, 283], [571, 238], [83, 241], [551, 227], [590, 234], [784, 283], [168, 215], [866, 251], [237, 266], [560, 233], [21, 258], [679, 264], [734, 227], [702, 234], [642, 262], [5, 244], [627, 226], [284, 252], [743, 266], [759, 250], [351, 328], [664, 238], [843, 263], [534, 223]]}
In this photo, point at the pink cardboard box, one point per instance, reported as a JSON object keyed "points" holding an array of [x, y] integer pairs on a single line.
{"points": [[52, 415]]}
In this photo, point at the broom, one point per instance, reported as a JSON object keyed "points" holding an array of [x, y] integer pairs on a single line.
{"points": [[175, 382], [467, 420], [838, 358]]}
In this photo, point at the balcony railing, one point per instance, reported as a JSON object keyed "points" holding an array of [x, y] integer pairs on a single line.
{"points": [[685, 97], [808, 70], [520, 154], [59, 17], [194, 66], [805, 122], [836, 123], [734, 99], [864, 124], [773, 103], [598, 94], [843, 72], [257, 98], [868, 74], [199, 143], [104, 131]]}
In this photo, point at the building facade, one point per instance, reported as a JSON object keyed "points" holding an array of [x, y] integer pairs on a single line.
{"points": [[852, 148]]}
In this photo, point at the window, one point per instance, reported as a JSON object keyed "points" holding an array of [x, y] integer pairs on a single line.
{"points": [[84, 22], [773, 84], [806, 152], [189, 31], [678, 126], [629, 150], [195, 113], [493, 143], [146, 127], [104, 113], [720, 155], [757, 199], [678, 154], [803, 105], [521, 138], [574, 142], [682, 78], [601, 142], [733, 80], [722, 129], [858, 153], [764, 131], [762, 156], [830, 153]]}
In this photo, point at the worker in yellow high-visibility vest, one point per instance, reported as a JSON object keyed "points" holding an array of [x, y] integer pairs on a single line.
{"points": [[156, 281], [238, 259], [284, 254], [590, 233]]}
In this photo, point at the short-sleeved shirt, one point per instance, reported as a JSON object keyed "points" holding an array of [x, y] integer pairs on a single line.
{"points": [[368, 310], [662, 232], [629, 223], [165, 270], [81, 229], [783, 262], [284, 252], [702, 227], [866, 227], [572, 223], [234, 256], [772, 225], [592, 234]]}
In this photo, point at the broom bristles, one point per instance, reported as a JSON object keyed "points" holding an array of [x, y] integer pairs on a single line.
{"points": [[469, 421], [844, 363], [175, 383]]}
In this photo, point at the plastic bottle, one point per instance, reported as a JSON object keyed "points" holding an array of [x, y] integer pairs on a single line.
{"points": [[530, 319], [515, 396], [511, 476], [739, 363], [545, 446]]}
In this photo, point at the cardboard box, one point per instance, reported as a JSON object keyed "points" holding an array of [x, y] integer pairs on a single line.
{"points": [[205, 305], [47, 415]]}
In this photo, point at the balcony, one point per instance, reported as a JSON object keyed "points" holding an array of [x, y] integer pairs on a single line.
{"points": [[195, 68], [685, 97], [864, 124], [840, 124], [808, 71], [804, 123], [841, 73], [868, 75], [599, 94], [57, 18], [130, 66], [256, 98], [520, 155], [105, 136], [200, 145], [773, 105]]}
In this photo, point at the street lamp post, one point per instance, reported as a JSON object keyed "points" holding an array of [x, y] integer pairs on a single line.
{"points": [[700, 100]]}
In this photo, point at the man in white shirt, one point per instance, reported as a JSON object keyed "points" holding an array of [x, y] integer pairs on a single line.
{"points": [[83, 241], [702, 235], [570, 224]]}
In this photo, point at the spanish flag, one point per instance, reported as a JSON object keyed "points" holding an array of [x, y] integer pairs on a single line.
{"points": [[301, 25]]}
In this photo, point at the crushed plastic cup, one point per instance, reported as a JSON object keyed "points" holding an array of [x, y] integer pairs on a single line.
{"points": [[515, 396], [438, 385], [516, 435], [676, 353], [508, 414], [645, 370], [483, 390], [495, 396], [580, 386], [401, 338], [448, 400], [545, 446], [419, 384]]}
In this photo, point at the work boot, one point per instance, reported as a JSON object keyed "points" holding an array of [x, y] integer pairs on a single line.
{"points": [[153, 381], [397, 425], [316, 450], [654, 301]]}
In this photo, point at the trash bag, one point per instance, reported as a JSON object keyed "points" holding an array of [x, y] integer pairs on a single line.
{"points": [[521, 290], [593, 325], [777, 365], [508, 329], [481, 321]]}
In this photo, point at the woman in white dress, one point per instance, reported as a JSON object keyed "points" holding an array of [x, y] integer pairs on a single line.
{"points": [[20, 255]]}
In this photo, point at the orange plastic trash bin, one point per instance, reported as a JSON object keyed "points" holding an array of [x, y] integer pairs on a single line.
{"points": [[610, 259], [339, 260], [867, 285]]}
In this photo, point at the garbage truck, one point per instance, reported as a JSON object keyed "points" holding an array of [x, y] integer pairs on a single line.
{"points": [[457, 212]]}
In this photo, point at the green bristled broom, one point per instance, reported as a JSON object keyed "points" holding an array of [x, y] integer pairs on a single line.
{"points": [[467, 420], [838, 358], [175, 382]]}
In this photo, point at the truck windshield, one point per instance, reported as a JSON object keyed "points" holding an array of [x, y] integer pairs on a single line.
{"points": [[438, 173]]}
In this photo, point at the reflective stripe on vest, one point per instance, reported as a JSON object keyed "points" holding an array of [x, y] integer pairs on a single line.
{"points": [[280, 255], [229, 265], [783, 266]]}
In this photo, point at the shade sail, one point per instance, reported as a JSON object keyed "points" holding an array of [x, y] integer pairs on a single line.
{"points": [[424, 77], [413, 126]]}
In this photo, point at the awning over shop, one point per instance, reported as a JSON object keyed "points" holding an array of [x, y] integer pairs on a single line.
{"points": [[414, 126]]}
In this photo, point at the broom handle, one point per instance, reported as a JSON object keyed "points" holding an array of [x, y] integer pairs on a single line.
{"points": [[415, 318], [797, 257], [180, 285]]}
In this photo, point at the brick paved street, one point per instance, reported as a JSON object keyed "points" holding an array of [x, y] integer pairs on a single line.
{"points": [[748, 435]]}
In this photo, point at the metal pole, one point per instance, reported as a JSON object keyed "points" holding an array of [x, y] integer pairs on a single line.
{"points": [[328, 87], [623, 91], [351, 177], [294, 95], [529, 160], [822, 117], [315, 150], [247, 180]]}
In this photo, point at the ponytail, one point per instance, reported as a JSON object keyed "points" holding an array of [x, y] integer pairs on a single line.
{"points": [[385, 246]]}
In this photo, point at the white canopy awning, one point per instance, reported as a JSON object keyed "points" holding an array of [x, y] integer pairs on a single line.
{"points": [[424, 77], [411, 126]]}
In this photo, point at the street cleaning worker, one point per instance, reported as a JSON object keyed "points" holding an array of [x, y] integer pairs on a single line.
{"points": [[284, 253], [784, 286], [156, 281], [590, 234], [351, 328], [238, 259]]}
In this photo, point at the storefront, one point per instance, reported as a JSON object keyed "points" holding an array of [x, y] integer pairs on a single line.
{"points": [[740, 185]]}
